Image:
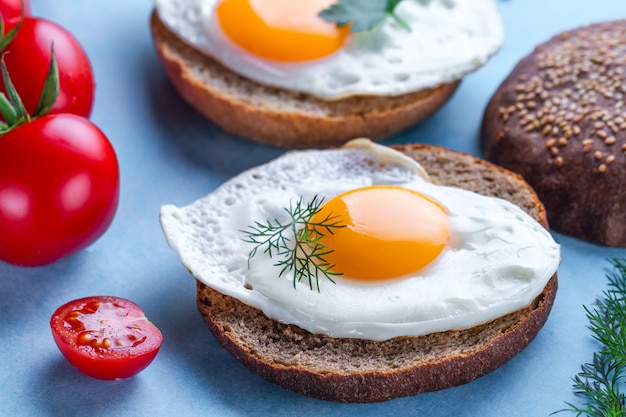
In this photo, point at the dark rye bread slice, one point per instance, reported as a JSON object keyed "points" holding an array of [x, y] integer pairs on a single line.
{"points": [[358, 370], [280, 117], [559, 120]]}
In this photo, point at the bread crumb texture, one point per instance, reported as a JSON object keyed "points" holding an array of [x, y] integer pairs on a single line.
{"points": [[559, 119]]}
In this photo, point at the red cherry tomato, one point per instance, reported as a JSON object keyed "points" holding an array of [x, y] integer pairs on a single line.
{"points": [[28, 57], [59, 188], [105, 337], [11, 11]]}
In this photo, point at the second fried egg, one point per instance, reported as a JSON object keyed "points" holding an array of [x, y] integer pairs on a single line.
{"points": [[416, 257], [286, 44]]}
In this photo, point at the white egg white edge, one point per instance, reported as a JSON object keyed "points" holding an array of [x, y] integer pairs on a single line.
{"points": [[174, 223], [464, 37]]}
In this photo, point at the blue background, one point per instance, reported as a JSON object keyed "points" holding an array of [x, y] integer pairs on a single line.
{"points": [[169, 154]]}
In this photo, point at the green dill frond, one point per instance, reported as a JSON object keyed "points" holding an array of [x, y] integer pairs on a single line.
{"points": [[599, 381], [305, 256]]}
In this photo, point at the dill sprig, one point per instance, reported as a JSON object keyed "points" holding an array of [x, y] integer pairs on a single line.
{"points": [[599, 381], [305, 257]]}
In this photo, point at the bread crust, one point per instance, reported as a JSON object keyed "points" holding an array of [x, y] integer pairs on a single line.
{"points": [[284, 118], [558, 120], [358, 370]]}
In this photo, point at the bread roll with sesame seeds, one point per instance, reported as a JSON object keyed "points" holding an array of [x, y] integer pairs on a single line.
{"points": [[559, 120]]}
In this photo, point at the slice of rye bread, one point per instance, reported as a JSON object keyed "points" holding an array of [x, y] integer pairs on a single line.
{"points": [[280, 117], [358, 370]]}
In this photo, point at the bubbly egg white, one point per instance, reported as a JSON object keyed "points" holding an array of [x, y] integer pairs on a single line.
{"points": [[498, 261], [448, 39]]}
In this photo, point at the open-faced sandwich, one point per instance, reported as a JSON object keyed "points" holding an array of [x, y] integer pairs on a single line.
{"points": [[278, 72], [365, 273]]}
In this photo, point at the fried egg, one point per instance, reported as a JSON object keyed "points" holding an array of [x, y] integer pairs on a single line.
{"points": [[286, 44], [414, 257]]}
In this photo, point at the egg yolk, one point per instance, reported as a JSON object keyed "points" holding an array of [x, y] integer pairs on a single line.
{"points": [[281, 30], [389, 232]]}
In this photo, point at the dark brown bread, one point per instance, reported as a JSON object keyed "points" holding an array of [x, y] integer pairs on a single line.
{"points": [[559, 120], [280, 117], [358, 370]]}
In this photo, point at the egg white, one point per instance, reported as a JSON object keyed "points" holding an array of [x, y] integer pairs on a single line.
{"points": [[448, 39], [498, 261]]}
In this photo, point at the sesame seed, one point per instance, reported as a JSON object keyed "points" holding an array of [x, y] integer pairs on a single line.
{"points": [[580, 82]]}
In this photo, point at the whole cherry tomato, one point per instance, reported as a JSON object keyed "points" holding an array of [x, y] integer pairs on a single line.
{"points": [[11, 11], [59, 188], [105, 337], [28, 57]]}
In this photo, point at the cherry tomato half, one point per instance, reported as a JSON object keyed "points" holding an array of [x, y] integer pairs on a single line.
{"points": [[28, 57], [59, 188], [105, 337], [11, 11]]}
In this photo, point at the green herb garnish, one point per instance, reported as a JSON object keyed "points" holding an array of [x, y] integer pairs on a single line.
{"points": [[363, 15], [305, 256], [599, 381]]}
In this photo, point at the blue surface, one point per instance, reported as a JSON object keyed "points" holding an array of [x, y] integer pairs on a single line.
{"points": [[169, 154]]}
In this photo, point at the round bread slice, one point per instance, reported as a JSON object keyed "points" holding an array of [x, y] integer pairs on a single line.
{"points": [[359, 370], [559, 120], [285, 118]]}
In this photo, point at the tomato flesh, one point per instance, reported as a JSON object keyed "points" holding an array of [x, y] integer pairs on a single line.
{"points": [[105, 337], [59, 188]]}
